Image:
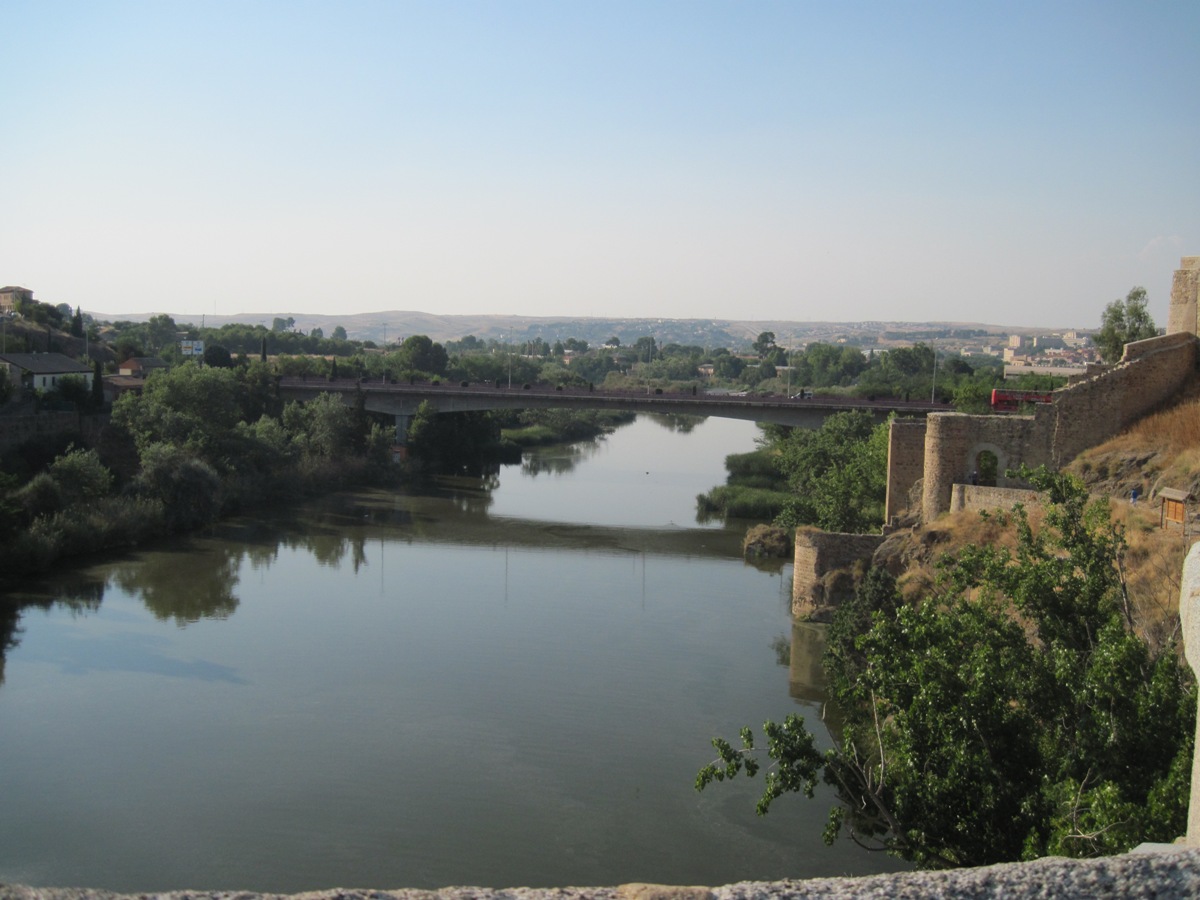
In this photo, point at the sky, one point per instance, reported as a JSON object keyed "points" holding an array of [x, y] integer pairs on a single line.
{"points": [[1017, 163]]}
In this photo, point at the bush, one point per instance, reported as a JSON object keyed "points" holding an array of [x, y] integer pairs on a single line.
{"points": [[767, 541], [42, 496], [81, 475]]}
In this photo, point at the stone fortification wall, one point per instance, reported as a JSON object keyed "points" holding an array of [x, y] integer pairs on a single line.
{"points": [[905, 463], [1184, 312], [977, 497], [819, 556], [1090, 412], [1083, 415], [16, 430], [954, 441]]}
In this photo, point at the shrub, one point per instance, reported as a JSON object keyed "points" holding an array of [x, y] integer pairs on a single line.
{"points": [[768, 541]]}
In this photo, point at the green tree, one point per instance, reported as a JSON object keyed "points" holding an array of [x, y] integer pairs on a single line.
{"points": [[837, 474], [97, 385], [764, 344], [161, 332], [187, 487], [1013, 713], [419, 353], [74, 389], [81, 475], [217, 356], [189, 407], [1123, 322], [324, 427], [339, 333]]}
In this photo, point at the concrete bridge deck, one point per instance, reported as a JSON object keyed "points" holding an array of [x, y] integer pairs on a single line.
{"points": [[403, 400]]}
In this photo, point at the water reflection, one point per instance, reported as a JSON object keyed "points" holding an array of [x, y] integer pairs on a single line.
{"points": [[678, 422], [185, 587], [806, 677], [557, 460]]}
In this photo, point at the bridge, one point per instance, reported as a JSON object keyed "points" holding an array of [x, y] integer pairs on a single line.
{"points": [[403, 400]]}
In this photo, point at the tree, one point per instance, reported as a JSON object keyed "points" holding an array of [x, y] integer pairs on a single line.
{"points": [[339, 333], [217, 356], [161, 331], [97, 385], [837, 475], [764, 343], [77, 323], [187, 407], [1013, 713], [81, 475], [419, 353], [1123, 322]]}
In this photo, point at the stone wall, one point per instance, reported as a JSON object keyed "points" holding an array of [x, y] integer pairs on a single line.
{"points": [[819, 556], [1090, 412], [905, 463], [16, 430], [978, 497], [1082, 415], [954, 442]]}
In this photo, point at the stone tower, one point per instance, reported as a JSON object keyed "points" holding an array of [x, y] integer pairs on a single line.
{"points": [[1184, 314]]}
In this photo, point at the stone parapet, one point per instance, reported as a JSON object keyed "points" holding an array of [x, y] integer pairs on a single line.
{"points": [[977, 498], [1162, 873], [1189, 616]]}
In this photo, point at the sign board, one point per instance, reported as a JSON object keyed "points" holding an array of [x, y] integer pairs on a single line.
{"points": [[192, 348]]}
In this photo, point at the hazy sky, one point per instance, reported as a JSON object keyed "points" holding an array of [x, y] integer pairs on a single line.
{"points": [[1014, 163]]}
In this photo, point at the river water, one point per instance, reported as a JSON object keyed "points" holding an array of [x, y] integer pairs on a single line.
{"points": [[508, 681]]}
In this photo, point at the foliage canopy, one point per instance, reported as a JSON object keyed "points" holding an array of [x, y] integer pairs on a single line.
{"points": [[1014, 713], [1124, 321]]}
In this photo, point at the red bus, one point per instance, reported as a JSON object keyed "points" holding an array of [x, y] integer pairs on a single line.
{"points": [[1011, 401]]}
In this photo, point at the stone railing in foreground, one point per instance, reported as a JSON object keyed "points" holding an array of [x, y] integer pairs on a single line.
{"points": [[1189, 614], [1164, 874]]}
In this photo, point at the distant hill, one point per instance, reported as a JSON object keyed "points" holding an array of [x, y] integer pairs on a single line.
{"points": [[395, 325]]}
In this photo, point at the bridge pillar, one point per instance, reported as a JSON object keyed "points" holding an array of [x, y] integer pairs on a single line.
{"points": [[402, 420]]}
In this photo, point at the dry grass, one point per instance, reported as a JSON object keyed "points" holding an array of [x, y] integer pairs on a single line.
{"points": [[1152, 566], [1174, 431]]}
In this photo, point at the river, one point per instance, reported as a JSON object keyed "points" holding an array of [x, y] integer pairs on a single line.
{"points": [[508, 681]]}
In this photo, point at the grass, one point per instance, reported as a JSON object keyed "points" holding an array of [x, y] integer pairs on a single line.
{"points": [[738, 502]]}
